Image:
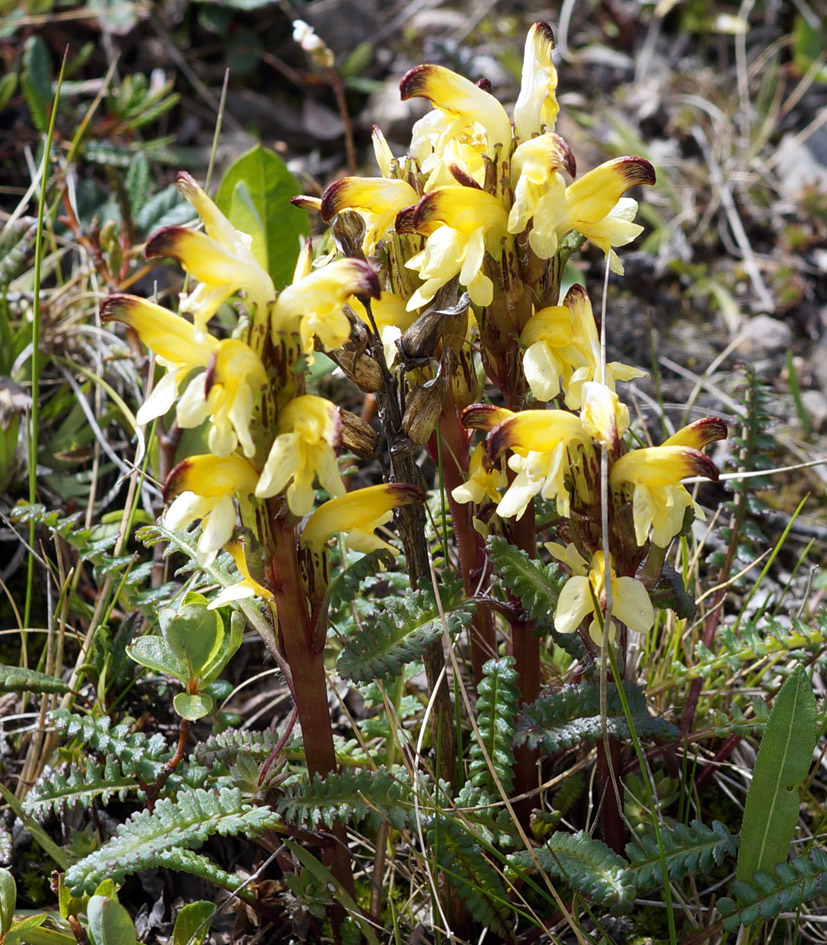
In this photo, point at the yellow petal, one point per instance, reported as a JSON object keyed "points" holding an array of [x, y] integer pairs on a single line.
{"points": [[662, 466], [363, 510], [699, 434], [592, 196], [536, 108], [461, 99], [465, 209], [212, 476], [169, 336], [534, 431]]}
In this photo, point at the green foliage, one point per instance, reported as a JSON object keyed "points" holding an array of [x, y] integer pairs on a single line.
{"points": [[255, 193], [402, 631], [354, 796], [109, 922], [18, 679], [347, 584], [192, 924], [138, 756], [570, 716], [80, 787], [36, 82], [786, 889], [496, 712], [16, 248], [784, 759], [194, 648], [586, 864], [535, 584], [225, 746], [470, 873], [144, 839], [689, 849]]}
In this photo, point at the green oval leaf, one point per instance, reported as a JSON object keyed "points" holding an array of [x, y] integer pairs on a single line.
{"points": [[196, 636], [254, 194], [784, 759], [109, 922], [193, 922], [193, 707], [155, 653], [8, 897]]}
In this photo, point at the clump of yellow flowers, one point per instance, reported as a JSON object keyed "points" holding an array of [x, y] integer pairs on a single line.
{"points": [[445, 280]]}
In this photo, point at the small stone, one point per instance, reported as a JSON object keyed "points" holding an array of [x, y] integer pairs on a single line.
{"points": [[763, 336], [815, 403]]}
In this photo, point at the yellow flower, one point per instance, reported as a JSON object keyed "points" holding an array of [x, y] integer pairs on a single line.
{"points": [[222, 259], [540, 439], [536, 108], [595, 207], [205, 487], [482, 484], [461, 224], [172, 338], [659, 500], [248, 586], [314, 304], [467, 110], [377, 200], [630, 601], [539, 190], [604, 417], [358, 514], [226, 394], [310, 434]]}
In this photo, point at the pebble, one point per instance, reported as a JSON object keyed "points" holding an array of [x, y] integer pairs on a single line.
{"points": [[815, 403], [763, 336]]}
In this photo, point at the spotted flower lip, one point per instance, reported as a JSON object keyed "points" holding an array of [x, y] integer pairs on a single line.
{"points": [[314, 304], [378, 200], [310, 435], [358, 514], [536, 109], [221, 258], [630, 601], [204, 487], [460, 99]]}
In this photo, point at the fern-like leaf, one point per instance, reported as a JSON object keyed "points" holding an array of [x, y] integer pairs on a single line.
{"points": [[586, 864], [142, 841], [688, 849], [346, 585], [496, 711], [571, 715], [137, 755], [402, 631], [18, 679], [227, 745], [58, 792], [792, 885], [470, 873], [537, 585], [376, 797], [490, 819]]}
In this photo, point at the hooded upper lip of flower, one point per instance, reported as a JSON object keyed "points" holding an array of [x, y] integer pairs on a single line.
{"points": [[310, 435], [314, 304], [481, 483], [221, 259], [377, 199], [358, 514], [462, 223], [463, 102], [660, 499], [205, 487], [630, 601], [536, 108]]}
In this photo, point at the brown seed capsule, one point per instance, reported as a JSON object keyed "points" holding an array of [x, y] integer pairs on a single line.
{"points": [[445, 322], [361, 369], [357, 436], [423, 408]]}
